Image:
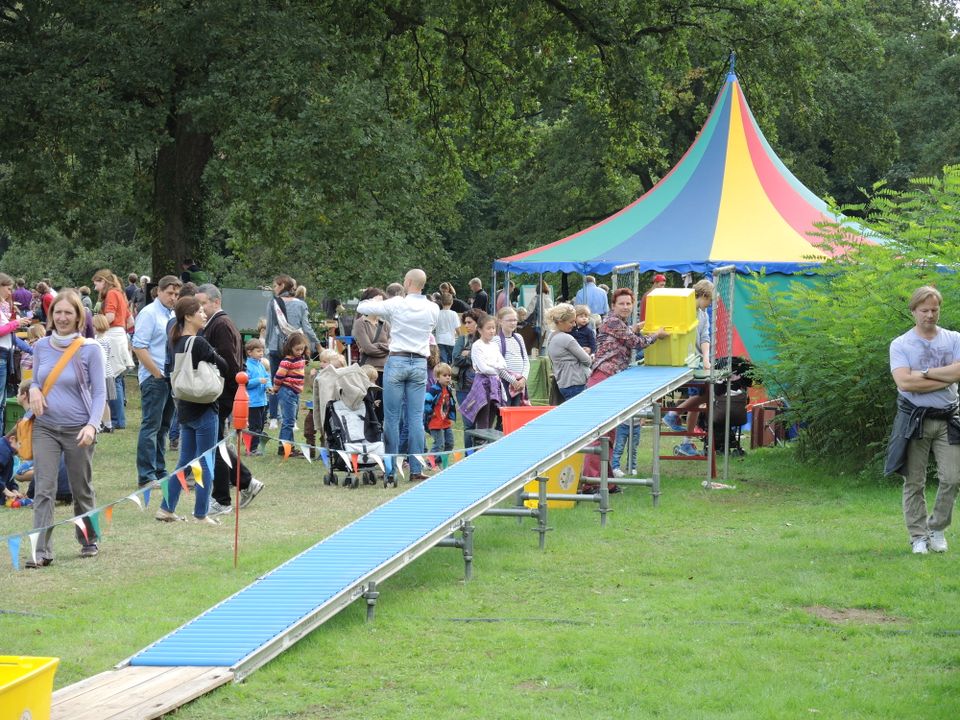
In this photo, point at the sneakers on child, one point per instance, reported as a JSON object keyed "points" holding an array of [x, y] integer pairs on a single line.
{"points": [[273, 424], [920, 546], [686, 449], [672, 421], [937, 542], [247, 496], [206, 520], [618, 473]]}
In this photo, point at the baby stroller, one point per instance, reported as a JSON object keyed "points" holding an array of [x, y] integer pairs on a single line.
{"points": [[355, 432], [345, 411]]}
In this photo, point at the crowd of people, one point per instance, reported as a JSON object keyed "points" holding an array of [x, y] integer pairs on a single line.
{"points": [[432, 359]]}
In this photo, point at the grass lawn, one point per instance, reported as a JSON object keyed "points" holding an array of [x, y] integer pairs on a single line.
{"points": [[794, 595]]}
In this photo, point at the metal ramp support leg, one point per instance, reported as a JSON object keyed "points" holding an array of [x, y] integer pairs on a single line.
{"points": [[604, 480], [371, 596], [542, 527], [465, 543]]}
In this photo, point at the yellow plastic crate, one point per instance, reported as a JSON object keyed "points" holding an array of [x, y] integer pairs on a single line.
{"points": [[670, 308], [564, 477], [26, 687], [674, 349]]}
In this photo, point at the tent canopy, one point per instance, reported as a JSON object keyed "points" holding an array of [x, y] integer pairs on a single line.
{"points": [[729, 201]]}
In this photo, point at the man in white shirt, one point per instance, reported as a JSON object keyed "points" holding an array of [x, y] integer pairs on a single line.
{"points": [[412, 319]]}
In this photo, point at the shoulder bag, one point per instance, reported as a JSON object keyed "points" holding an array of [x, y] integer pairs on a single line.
{"points": [[25, 424], [201, 384]]}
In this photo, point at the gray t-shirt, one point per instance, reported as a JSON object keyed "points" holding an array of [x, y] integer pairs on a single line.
{"points": [[913, 352]]}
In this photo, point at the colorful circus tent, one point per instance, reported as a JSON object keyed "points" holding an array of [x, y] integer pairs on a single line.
{"points": [[729, 201]]}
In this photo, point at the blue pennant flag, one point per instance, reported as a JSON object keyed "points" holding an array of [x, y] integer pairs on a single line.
{"points": [[13, 544], [208, 459], [146, 497], [470, 451], [325, 456]]}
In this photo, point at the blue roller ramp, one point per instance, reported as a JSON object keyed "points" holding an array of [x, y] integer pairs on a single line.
{"points": [[249, 628]]}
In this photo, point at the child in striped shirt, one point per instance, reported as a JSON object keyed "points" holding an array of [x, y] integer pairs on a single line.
{"points": [[288, 384]]}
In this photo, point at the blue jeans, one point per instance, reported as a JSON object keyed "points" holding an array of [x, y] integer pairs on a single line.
{"points": [[404, 385], [196, 437], [442, 439], [467, 425], [571, 391], [446, 353], [118, 414], [288, 401], [620, 445], [273, 398], [174, 433], [156, 409]]}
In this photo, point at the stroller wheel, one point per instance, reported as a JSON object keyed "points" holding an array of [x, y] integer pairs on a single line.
{"points": [[368, 478], [326, 479], [334, 480], [354, 481]]}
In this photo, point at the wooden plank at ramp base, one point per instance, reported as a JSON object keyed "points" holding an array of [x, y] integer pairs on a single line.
{"points": [[135, 693]]}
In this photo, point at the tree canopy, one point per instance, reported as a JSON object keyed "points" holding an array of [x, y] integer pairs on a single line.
{"points": [[344, 142]]}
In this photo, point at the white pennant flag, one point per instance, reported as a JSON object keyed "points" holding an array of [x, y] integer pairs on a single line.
{"points": [[82, 527], [307, 452], [34, 536], [346, 459], [378, 460], [135, 499], [225, 454]]}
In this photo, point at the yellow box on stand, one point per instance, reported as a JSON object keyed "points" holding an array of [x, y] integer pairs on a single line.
{"points": [[673, 349], [669, 308]]}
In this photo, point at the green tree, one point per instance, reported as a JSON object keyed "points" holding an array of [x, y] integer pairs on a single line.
{"points": [[831, 338]]}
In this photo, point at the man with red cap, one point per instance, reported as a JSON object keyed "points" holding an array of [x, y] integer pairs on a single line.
{"points": [[659, 281]]}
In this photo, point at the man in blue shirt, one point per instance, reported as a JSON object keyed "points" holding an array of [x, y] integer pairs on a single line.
{"points": [[594, 298], [150, 347]]}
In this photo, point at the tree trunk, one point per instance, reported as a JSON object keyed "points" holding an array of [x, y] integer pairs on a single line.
{"points": [[178, 199]]}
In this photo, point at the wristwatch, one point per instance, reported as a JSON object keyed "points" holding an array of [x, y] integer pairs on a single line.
{"points": [[925, 371]]}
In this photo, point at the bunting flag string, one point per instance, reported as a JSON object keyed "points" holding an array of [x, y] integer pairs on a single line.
{"points": [[100, 518]]}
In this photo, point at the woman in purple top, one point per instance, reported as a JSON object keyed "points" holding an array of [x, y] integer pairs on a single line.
{"points": [[67, 418]]}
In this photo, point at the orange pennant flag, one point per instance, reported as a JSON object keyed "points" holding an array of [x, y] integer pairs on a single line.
{"points": [[183, 481], [355, 461], [108, 514], [287, 448], [457, 457]]}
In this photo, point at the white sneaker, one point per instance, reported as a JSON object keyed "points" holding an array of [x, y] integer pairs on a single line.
{"points": [[206, 520], [920, 546], [273, 424], [247, 496], [937, 542], [215, 508], [617, 473]]}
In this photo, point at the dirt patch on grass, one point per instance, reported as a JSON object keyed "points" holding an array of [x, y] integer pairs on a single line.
{"points": [[853, 615]]}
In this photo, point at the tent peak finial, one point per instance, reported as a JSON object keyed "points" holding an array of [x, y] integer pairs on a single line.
{"points": [[732, 73]]}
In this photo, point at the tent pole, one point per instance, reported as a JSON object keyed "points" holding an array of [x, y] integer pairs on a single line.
{"points": [[540, 324], [492, 298]]}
